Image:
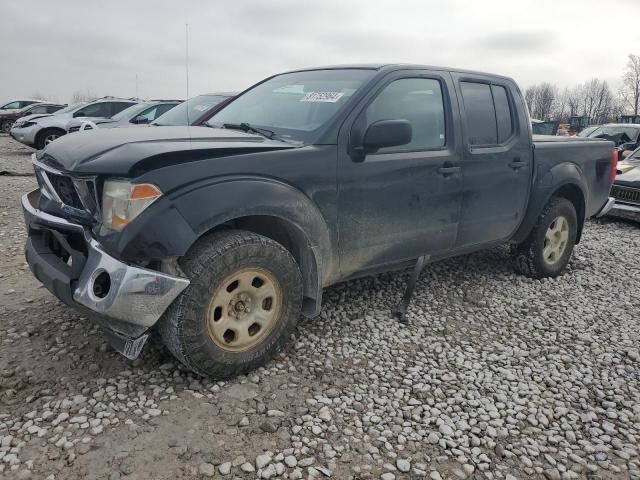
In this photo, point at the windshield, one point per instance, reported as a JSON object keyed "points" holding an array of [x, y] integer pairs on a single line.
{"points": [[189, 111], [630, 132], [71, 108], [294, 105], [130, 112], [586, 132]]}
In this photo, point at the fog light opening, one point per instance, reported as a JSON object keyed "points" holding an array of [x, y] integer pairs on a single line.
{"points": [[102, 285]]}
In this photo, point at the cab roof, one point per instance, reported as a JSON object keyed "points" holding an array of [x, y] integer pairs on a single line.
{"points": [[395, 66]]}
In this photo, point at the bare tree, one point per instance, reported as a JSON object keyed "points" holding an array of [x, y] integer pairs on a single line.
{"points": [[598, 102], [541, 99], [630, 90], [80, 96], [39, 96]]}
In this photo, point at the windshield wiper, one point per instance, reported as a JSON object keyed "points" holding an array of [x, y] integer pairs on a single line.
{"points": [[245, 127]]}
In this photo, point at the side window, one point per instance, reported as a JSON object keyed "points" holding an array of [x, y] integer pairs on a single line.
{"points": [[504, 118], [418, 100], [116, 107], [53, 108], [94, 110], [11, 106], [162, 109], [149, 114], [38, 110], [480, 113]]}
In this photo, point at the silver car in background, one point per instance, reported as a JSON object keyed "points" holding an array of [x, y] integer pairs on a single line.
{"points": [[40, 130], [139, 114]]}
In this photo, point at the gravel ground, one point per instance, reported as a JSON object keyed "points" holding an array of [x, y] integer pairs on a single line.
{"points": [[497, 376]]}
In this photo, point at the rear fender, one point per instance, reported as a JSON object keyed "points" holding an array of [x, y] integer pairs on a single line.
{"points": [[564, 180]]}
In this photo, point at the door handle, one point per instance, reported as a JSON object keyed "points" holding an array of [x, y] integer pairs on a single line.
{"points": [[516, 163], [446, 171]]}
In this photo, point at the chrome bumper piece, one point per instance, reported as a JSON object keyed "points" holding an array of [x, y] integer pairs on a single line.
{"points": [[134, 295], [623, 210], [607, 207]]}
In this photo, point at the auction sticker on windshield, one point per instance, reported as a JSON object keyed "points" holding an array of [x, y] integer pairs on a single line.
{"points": [[327, 97]]}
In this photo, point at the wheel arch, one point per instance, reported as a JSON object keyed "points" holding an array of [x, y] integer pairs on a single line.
{"points": [[570, 188], [291, 237], [42, 133], [270, 208]]}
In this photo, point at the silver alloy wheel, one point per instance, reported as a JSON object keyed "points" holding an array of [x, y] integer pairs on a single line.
{"points": [[50, 138], [244, 309], [6, 126], [555, 240]]}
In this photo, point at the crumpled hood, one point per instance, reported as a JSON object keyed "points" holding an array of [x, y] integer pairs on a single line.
{"points": [[628, 174], [131, 151]]}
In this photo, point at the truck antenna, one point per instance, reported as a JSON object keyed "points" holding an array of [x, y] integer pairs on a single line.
{"points": [[186, 66]]}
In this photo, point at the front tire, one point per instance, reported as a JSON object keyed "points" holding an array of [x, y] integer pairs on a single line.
{"points": [[242, 304], [547, 249], [47, 136], [6, 126]]}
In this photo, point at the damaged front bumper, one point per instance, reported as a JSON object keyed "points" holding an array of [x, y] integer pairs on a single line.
{"points": [[124, 299]]}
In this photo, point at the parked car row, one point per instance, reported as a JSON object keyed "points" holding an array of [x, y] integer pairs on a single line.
{"points": [[39, 124], [8, 117]]}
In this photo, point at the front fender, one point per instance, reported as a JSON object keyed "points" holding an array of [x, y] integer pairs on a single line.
{"points": [[554, 180], [212, 202]]}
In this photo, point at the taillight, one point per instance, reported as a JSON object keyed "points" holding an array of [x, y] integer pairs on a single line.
{"points": [[614, 165]]}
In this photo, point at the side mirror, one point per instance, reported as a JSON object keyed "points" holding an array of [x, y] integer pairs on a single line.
{"points": [[140, 120], [78, 114], [385, 133]]}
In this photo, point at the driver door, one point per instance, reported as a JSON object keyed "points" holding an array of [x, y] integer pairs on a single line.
{"points": [[400, 202]]}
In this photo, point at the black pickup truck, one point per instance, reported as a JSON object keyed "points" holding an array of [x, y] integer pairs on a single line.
{"points": [[219, 236]]}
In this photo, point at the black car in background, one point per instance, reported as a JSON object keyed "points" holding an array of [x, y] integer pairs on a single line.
{"points": [[8, 118], [626, 188], [625, 136]]}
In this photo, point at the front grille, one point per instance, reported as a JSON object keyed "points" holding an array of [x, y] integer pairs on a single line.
{"points": [[76, 196], [74, 129], [626, 194], [65, 189]]}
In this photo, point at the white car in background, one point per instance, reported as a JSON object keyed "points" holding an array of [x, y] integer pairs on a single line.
{"points": [[16, 104], [38, 131]]}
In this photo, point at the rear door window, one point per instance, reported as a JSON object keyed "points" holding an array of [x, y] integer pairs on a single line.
{"points": [[504, 118], [42, 109], [488, 113], [117, 107], [480, 113]]}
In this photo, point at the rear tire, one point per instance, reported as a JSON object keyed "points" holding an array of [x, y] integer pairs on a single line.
{"points": [[242, 304], [547, 249], [47, 136]]}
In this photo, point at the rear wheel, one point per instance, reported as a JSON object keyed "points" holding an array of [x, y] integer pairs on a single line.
{"points": [[243, 302], [547, 249], [6, 126], [47, 136]]}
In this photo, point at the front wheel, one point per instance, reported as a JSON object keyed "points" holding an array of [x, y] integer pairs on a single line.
{"points": [[243, 303], [6, 126], [47, 136], [547, 249]]}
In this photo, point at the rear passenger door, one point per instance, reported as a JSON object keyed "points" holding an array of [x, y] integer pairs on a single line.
{"points": [[496, 164]]}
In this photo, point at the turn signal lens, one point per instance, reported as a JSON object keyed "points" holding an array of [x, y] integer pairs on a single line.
{"points": [[123, 201]]}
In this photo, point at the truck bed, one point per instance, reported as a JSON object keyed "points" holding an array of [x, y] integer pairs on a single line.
{"points": [[591, 157]]}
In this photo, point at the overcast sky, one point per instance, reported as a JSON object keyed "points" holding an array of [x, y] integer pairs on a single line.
{"points": [[58, 47]]}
